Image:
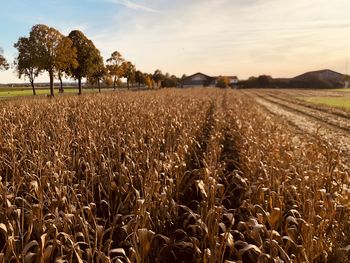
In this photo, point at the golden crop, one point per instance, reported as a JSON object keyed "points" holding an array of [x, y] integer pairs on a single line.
{"points": [[166, 176]]}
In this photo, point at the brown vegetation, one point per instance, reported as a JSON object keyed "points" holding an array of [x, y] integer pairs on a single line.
{"points": [[169, 176]]}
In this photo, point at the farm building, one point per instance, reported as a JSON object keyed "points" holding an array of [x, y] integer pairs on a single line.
{"points": [[200, 79], [323, 75]]}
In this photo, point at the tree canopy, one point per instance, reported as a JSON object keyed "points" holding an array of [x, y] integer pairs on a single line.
{"points": [[158, 77], [99, 73], [47, 41], [222, 82], [116, 67], [170, 81], [3, 62], [46, 49], [66, 59], [140, 77], [88, 56], [26, 61], [129, 72]]}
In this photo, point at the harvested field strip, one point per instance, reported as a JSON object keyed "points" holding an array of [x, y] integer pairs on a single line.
{"points": [[343, 90], [333, 102], [321, 116], [305, 124], [303, 102]]}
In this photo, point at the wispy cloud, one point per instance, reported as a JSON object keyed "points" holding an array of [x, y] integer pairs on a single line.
{"points": [[135, 6], [240, 37]]}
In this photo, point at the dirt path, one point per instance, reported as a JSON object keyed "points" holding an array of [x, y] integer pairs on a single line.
{"points": [[328, 126]]}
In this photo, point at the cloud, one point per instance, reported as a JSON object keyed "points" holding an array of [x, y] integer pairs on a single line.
{"points": [[135, 6], [242, 37]]}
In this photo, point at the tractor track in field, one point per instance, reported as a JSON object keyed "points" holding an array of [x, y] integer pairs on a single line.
{"points": [[329, 126], [331, 110], [330, 119]]}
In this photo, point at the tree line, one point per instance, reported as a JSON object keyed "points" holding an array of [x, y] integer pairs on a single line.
{"points": [[311, 82], [75, 56]]}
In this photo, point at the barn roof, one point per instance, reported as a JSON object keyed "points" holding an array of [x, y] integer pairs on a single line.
{"points": [[317, 72], [198, 73]]}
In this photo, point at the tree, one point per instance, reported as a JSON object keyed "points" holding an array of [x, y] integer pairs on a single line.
{"points": [[183, 79], [115, 67], [222, 82], [66, 59], [46, 49], [264, 81], [158, 77], [140, 78], [87, 56], [99, 73], [46, 41], [26, 61], [107, 80], [148, 81], [170, 81], [129, 73], [3, 63]]}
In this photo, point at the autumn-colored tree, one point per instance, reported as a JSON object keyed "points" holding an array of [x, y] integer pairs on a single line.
{"points": [[87, 55], [158, 77], [3, 63], [107, 80], [47, 41], [148, 81], [129, 73], [26, 62], [222, 82], [115, 67], [66, 60], [46, 49]]}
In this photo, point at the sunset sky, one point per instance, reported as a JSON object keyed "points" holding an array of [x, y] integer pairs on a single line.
{"points": [[216, 37]]}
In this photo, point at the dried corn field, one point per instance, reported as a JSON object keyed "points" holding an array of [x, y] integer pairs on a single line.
{"points": [[200, 175]]}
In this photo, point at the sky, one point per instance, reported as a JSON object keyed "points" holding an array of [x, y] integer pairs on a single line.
{"points": [[217, 37]]}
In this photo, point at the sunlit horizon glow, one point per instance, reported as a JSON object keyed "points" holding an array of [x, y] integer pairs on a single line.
{"points": [[216, 37]]}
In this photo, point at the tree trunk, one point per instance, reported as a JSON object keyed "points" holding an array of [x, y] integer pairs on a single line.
{"points": [[127, 84], [52, 93], [61, 85], [79, 84], [33, 87], [99, 85], [115, 82]]}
